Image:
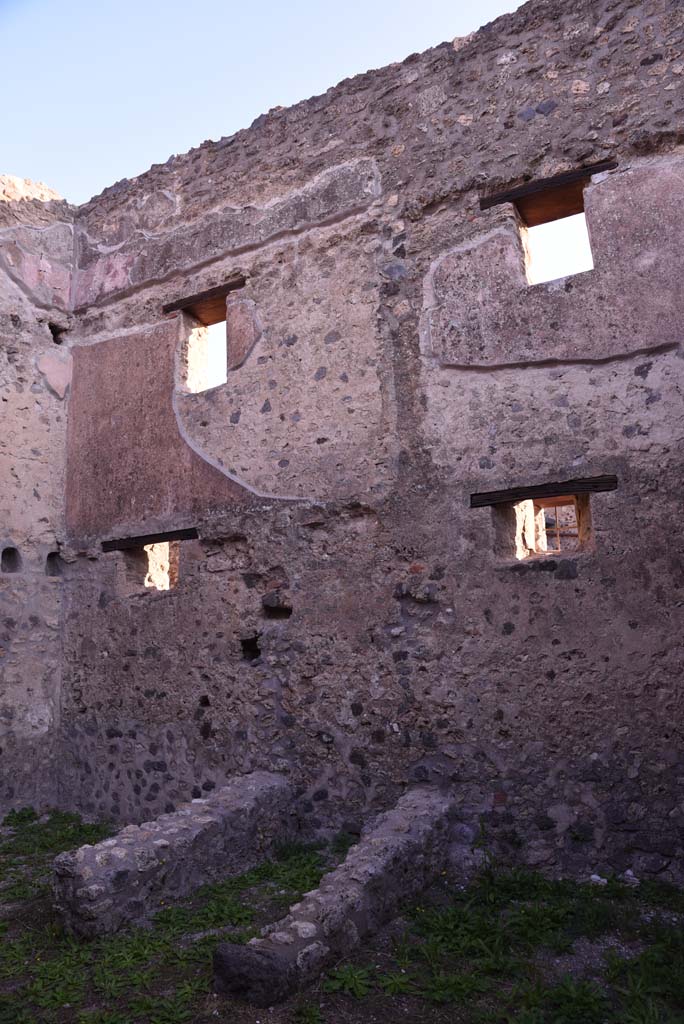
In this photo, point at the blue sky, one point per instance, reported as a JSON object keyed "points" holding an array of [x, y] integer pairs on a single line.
{"points": [[98, 90]]}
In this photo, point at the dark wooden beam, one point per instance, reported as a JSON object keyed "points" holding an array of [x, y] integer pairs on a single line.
{"points": [[552, 203], [589, 485], [547, 199], [151, 538], [208, 307]]}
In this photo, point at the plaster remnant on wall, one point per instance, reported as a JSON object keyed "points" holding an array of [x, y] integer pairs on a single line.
{"points": [[635, 218], [38, 260], [287, 421], [335, 193]]}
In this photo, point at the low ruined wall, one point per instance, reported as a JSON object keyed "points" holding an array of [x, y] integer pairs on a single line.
{"points": [[124, 880], [396, 858]]}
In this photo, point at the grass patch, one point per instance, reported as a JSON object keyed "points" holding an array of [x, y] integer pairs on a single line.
{"points": [[353, 981], [157, 975], [61, 831], [484, 954], [490, 949]]}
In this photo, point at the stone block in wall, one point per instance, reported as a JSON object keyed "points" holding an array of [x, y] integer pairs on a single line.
{"points": [[395, 859], [122, 881]]}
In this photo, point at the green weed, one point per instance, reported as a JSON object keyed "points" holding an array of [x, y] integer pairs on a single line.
{"points": [[575, 1002], [218, 911], [404, 951], [25, 816], [448, 987], [661, 894], [21, 890], [161, 1010], [307, 1013], [397, 983], [351, 980], [655, 974], [102, 1017]]}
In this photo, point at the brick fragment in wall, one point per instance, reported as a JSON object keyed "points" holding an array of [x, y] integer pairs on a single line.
{"points": [[399, 854], [124, 880]]}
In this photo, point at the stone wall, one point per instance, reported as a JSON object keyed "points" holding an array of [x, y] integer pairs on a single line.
{"points": [[399, 363], [344, 616], [35, 270]]}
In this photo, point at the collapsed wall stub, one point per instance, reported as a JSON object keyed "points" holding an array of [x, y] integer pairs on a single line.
{"points": [[396, 858], [123, 881], [388, 361]]}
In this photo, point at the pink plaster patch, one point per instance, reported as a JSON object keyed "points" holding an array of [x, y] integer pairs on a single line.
{"points": [[107, 274], [57, 371], [48, 282]]}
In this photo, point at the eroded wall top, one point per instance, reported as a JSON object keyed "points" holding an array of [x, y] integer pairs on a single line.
{"points": [[551, 86]]}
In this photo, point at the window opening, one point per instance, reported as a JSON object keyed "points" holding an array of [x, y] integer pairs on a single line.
{"points": [[10, 560], [553, 226], [205, 353], [560, 523], [559, 248], [206, 357], [134, 564], [150, 562], [545, 519], [162, 564], [152, 566], [552, 526]]}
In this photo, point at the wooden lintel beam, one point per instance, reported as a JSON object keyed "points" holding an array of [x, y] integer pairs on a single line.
{"points": [[208, 307], [559, 181], [126, 543], [589, 485]]}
